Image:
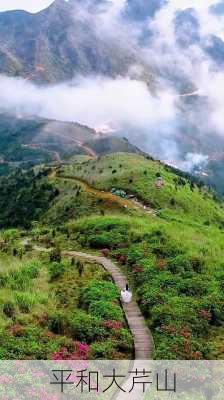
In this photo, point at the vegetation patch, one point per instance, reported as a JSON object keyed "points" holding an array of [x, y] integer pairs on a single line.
{"points": [[57, 310], [179, 283], [167, 239]]}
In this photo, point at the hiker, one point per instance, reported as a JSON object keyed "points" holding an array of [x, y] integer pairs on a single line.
{"points": [[126, 295]]}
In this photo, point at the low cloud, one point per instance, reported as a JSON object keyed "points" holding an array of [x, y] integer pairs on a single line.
{"points": [[124, 105], [178, 118], [194, 160]]}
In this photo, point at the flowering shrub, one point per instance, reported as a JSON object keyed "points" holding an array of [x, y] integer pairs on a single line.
{"points": [[6, 380], [170, 329], [84, 327], [79, 352], [121, 258], [110, 324], [196, 355], [137, 268], [105, 252], [16, 330], [185, 332]]}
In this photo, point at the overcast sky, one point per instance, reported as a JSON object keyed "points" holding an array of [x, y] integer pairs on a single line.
{"points": [[29, 5]]}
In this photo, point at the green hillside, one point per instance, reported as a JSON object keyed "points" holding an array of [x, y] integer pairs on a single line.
{"points": [[174, 255], [179, 198], [168, 241], [25, 142]]}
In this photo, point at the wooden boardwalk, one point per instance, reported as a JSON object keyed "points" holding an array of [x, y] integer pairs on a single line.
{"points": [[143, 340]]}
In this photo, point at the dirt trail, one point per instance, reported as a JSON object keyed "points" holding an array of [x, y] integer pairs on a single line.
{"points": [[88, 149], [132, 203], [194, 93], [143, 340]]}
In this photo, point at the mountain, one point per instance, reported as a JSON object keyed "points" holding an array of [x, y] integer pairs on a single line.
{"points": [[142, 9], [218, 8], [68, 39], [56, 44], [215, 49], [22, 136], [29, 141], [187, 27]]}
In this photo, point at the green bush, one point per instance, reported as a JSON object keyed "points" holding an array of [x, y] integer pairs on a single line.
{"points": [[102, 350], [193, 286], [179, 264], [58, 322], [213, 302], [33, 343], [106, 310], [85, 328], [3, 280], [11, 234], [105, 239], [31, 270], [125, 342], [180, 312], [56, 270], [101, 232], [150, 296], [96, 290], [55, 255], [25, 301], [198, 263], [135, 253], [9, 309]]}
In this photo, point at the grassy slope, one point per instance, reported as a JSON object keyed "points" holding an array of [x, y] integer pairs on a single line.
{"points": [[178, 253], [136, 175], [174, 259]]}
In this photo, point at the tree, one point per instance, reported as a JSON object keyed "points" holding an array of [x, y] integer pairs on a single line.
{"points": [[55, 255]]}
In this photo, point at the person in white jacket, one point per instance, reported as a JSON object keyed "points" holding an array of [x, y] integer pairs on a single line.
{"points": [[126, 295]]}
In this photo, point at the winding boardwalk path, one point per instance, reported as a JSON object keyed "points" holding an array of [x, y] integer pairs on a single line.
{"points": [[143, 340]]}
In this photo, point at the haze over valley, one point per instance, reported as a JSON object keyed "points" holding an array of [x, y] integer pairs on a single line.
{"points": [[116, 67]]}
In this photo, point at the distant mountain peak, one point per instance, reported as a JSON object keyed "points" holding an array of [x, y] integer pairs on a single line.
{"points": [[58, 4]]}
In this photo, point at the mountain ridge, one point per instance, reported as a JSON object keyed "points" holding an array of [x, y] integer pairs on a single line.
{"points": [[54, 45]]}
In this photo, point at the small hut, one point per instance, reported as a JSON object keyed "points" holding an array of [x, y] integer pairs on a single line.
{"points": [[159, 182]]}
